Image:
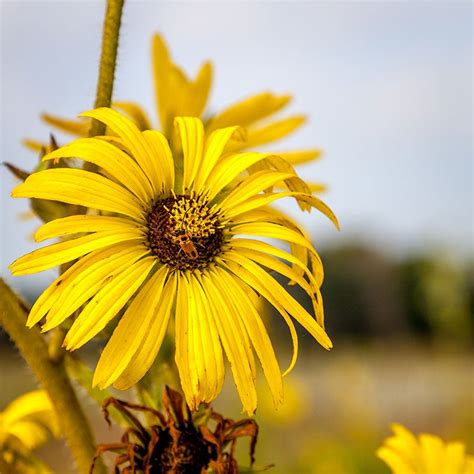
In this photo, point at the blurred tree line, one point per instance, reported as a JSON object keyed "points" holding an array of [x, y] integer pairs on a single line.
{"points": [[370, 295]]}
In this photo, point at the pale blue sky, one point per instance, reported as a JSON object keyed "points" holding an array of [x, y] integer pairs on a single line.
{"points": [[388, 88]]}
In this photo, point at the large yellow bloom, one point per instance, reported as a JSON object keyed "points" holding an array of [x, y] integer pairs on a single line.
{"points": [[427, 454], [177, 95], [168, 242], [26, 424]]}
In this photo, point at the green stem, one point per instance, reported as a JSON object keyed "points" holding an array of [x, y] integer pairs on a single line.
{"points": [[52, 376], [108, 58]]}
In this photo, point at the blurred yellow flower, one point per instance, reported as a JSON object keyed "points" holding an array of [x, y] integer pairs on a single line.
{"points": [[426, 454], [26, 424], [177, 95], [172, 235], [291, 411]]}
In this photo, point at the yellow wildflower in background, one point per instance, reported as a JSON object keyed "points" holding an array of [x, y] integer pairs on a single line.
{"points": [[293, 408], [426, 454], [26, 424], [177, 95], [170, 243]]}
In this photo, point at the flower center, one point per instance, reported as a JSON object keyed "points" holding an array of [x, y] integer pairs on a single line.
{"points": [[184, 232]]}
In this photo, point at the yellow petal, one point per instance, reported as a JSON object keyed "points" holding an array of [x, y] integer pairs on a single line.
{"points": [[321, 206], [207, 347], [199, 91], [251, 186], [27, 406], [259, 246], [31, 434], [273, 231], [298, 237], [113, 160], [75, 186], [234, 342], [189, 96], [394, 461], [107, 303], [468, 467], [181, 90], [454, 458], [34, 145], [250, 110], [432, 452], [191, 132], [271, 290], [135, 113], [273, 131], [150, 345], [214, 149], [162, 155], [404, 440], [30, 418], [278, 217], [253, 204], [62, 252], [84, 223], [277, 266], [73, 127], [300, 157], [195, 351], [229, 167], [317, 188], [86, 281], [52, 294], [131, 331], [263, 200], [132, 138], [294, 182], [181, 340], [258, 334], [162, 66]]}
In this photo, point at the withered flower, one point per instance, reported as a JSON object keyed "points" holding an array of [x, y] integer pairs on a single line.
{"points": [[176, 442]]}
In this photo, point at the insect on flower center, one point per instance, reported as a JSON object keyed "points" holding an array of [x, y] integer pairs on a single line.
{"points": [[184, 232]]}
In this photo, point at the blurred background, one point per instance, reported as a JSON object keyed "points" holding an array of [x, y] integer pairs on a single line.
{"points": [[388, 91]]}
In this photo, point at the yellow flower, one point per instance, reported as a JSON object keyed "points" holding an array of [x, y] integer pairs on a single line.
{"points": [[291, 411], [177, 95], [169, 242], [25, 424], [428, 454]]}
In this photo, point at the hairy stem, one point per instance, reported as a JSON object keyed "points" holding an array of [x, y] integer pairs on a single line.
{"points": [[108, 59], [52, 376]]}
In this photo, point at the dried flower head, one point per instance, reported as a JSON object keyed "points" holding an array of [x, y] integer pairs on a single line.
{"points": [[175, 442]]}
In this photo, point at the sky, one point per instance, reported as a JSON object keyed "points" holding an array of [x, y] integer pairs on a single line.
{"points": [[387, 88]]}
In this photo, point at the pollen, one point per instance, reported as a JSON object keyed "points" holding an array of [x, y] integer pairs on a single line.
{"points": [[184, 232]]}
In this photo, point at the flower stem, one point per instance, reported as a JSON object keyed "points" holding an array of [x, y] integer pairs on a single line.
{"points": [[52, 376], [108, 59]]}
